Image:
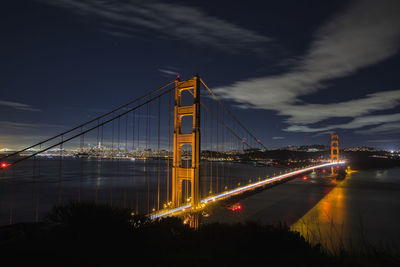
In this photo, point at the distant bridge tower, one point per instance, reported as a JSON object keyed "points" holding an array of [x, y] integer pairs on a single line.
{"points": [[334, 151], [334, 147], [191, 173]]}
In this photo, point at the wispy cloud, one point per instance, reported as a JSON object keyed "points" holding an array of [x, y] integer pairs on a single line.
{"points": [[174, 20], [383, 140], [386, 128], [117, 33], [19, 106], [366, 33], [16, 125], [26, 126], [312, 113], [356, 123], [278, 137], [168, 72]]}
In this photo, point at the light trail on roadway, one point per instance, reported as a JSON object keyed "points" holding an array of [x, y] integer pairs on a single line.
{"points": [[239, 190]]}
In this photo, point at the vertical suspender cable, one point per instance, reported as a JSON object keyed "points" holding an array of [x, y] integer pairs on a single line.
{"points": [[119, 137], [112, 138], [12, 196], [98, 157], [138, 130], [169, 144], [133, 130], [223, 153], [119, 152], [159, 155], [125, 155], [33, 186], [204, 144], [60, 173], [211, 155], [112, 158], [217, 153], [38, 189], [133, 155], [137, 148], [126, 134], [82, 144], [147, 140]]}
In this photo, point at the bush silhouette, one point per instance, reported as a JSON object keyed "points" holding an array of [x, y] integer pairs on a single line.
{"points": [[89, 234], [90, 217]]}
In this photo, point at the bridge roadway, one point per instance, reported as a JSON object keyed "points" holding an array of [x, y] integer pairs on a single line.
{"points": [[239, 190]]}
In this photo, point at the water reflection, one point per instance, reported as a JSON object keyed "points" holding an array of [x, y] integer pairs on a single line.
{"points": [[325, 222], [141, 185], [360, 211]]}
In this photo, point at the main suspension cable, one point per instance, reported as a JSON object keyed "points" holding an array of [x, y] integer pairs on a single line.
{"points": [[231, 114], [92, 128], [88, 122]]}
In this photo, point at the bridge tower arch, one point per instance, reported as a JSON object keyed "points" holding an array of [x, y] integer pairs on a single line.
{"points": [[192, 173]]}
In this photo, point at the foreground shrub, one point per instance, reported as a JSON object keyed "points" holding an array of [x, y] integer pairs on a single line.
{"points": [[89, 234]]}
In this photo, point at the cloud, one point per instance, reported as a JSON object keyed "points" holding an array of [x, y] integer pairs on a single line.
{"points": [[174, 20], [366, 33], [356, 123], [387, 128], [278, 137], [322, 133], [117, 33], [383, 141], [16, 125], [168, 72], [27, 126], [19, 106], [312, 113]]}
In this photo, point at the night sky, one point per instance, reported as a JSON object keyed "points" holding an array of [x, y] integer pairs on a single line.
{"points": [[292, 71]]}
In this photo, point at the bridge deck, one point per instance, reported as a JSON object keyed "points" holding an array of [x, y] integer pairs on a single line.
{"points": [[239, 190]]}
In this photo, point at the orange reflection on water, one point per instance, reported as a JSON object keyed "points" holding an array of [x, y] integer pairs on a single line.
{"points": [[325, 222]]}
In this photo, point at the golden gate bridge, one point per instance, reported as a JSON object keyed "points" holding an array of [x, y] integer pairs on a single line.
{"points": [[169, 152]]}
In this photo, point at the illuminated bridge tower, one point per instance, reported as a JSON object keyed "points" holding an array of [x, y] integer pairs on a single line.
{"points": [[334, 149], [191, 89]]}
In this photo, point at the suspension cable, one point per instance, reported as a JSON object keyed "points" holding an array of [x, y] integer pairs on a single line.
{"points": [[88, 122], [90, 129], [221, 122], [231, 114]]}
